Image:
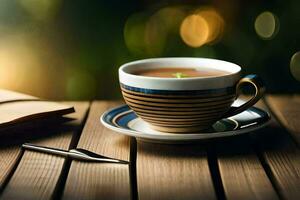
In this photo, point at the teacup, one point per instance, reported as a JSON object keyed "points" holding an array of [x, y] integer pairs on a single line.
{"points": [[188, 104]]}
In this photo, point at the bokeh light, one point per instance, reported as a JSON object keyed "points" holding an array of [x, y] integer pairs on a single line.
{"points": [[155, 35], [170, 18], [295, 66], [46, 44], [134, 33], [194, 30], [162, 23], [215, 22], [266, 25], [41, 9], [204, 26], [147, 34]]}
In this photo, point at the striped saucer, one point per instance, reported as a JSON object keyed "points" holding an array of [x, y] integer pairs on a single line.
{"points": [[123, 120]]}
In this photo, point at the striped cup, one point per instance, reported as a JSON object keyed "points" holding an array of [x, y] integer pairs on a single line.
{"points": [[185, 105]]}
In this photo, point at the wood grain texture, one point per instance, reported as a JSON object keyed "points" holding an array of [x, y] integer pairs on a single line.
{"points": [[281, 154], [287, 110], [37, 174], [8, 159], [173, 172], [242, 174], [12, 139], [100, 180]]}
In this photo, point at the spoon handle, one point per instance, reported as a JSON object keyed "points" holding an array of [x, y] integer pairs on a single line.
{"points": [[74, 154]]}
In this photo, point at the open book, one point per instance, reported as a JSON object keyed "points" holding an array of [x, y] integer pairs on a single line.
{"points": [[17, 109]]}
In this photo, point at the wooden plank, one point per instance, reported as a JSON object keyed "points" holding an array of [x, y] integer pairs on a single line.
{"points": [[173, 172], [287, 110], [242, 174], [37, 174], [100, 180], [11, 139], [280, 152], [8, 159]]}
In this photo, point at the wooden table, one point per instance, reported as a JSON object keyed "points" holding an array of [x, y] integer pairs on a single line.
{"points": [[260, 165]]}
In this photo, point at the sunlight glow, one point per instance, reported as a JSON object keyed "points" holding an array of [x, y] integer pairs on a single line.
{"points": [[19, 67]]}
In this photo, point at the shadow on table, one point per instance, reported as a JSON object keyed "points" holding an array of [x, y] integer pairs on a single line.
{"points": [[271, 137], [36, 130]]}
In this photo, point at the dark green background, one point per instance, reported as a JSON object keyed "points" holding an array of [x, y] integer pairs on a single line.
{"points": [[79, 47]]}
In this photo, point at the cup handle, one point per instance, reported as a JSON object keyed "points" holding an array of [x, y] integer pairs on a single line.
{"points": [[257, 83]]}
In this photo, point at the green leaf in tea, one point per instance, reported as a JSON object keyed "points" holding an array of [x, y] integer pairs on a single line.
{"points": [[180, 75]]}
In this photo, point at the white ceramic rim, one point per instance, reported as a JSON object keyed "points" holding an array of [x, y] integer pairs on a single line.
{"points": [[194, 83]]}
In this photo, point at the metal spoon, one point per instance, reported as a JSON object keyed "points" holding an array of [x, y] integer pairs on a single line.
{"points": [[76, 154]]}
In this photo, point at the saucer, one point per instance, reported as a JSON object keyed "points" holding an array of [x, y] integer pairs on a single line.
{"points": [[124, 121]]}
